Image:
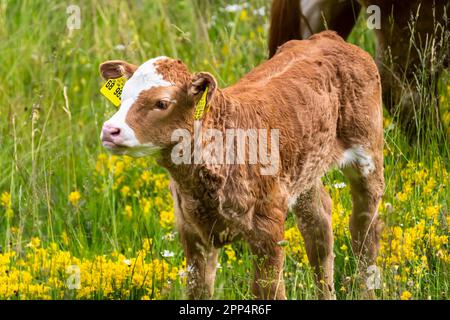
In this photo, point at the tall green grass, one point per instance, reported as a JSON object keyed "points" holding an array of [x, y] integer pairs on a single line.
{"points": [[51, 113]]}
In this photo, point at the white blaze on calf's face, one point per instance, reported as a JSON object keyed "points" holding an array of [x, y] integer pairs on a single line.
{"points": [[145, 77]]}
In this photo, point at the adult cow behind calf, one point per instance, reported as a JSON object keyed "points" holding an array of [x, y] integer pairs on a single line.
{"points": [[321, 95]]}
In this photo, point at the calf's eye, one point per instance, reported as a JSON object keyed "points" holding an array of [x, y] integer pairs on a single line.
{"points": [[162, 105]]}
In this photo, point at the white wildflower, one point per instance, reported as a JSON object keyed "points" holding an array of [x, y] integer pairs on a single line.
{"points": [[127, 262], [260, 12], [340, 185], [236, 7], [167, 254]]}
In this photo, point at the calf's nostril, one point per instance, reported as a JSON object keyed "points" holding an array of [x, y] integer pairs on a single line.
{"points": [[115, 132], [110, 132]]}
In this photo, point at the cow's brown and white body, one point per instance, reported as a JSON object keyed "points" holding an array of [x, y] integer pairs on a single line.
{"points": [[324, 97]]}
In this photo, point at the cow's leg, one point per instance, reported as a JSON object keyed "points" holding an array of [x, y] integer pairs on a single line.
{"points": [[317, 16], [313, 212], [268, 280], [201, 259], [201, 264], [367, 184], [268, 283]]}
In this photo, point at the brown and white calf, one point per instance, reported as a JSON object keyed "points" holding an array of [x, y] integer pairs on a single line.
{"points": [[323, 96]]}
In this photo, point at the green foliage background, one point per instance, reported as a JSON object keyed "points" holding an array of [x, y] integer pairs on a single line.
{"points": [[51, 113]]}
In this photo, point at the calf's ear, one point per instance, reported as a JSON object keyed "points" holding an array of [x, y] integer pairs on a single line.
{"points": [[200, 81], [113, 69]]}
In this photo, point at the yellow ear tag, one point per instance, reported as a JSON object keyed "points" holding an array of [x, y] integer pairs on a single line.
{"points": [[201, 104], [112, 90]]}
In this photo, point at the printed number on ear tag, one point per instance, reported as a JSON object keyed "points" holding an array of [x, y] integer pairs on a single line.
{"points": [[112, 90], [201, 106]]}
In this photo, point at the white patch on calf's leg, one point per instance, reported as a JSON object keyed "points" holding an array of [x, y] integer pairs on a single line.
{"points": [[357, 155], [292, 201]]}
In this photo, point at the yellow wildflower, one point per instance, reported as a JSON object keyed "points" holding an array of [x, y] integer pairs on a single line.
{"points": [[432, 212], [428, 189], [125, 191], [34, 243], [74, 197], [231, 255], [166, 218], [402, 196], [128, 211], [244, 15], [118, 168], [146, 176], [406, 295], [147, 244], [146, 205], [5, 200]]}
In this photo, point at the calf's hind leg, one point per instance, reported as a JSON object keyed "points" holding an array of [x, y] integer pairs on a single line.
{"points": [[367, 184], [313, 213]]}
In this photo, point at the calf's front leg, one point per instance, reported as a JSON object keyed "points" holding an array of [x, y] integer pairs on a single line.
{"points": [[268, 283], [201, 263]]}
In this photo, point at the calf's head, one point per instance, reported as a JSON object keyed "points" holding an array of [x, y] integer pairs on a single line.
{"points": [[158, 97]]}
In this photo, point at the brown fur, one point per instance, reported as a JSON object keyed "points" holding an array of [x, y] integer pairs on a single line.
{"points": [[174, 71], [324, 96]]}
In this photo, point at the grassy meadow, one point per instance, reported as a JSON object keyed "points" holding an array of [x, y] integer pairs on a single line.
{"points": [[77, 223]]}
